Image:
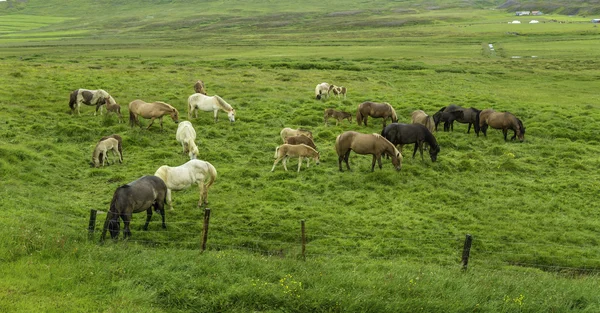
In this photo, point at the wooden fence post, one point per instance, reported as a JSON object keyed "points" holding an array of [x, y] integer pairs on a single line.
{"points": [[466, 251], [303, 229], [92, 224], [205, 228]]}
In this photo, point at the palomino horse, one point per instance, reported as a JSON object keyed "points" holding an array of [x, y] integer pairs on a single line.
{"points": [[337, 91], [113, 107], [100, 155], [503, 121], [374, 144], [321, 90], [186, 135], [183, 176], [97, 97], [215, 103], [119, 147], [302, 151], [199, 87], [420, 117], [289, 132], [338, 115], [401, 134], [152, 111], [374, 109], [300, 139], [468, 116], [137, 196]]}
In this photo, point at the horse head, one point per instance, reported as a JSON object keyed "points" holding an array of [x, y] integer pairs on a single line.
{"points": [[114, 227], [174, 115], [521, 133], [317, 157], [231, 115], [433, 152]]}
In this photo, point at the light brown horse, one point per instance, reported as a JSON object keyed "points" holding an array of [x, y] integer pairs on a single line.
{"points": [[115, 108], [300, 139], [289, 132], [152, 111], [302, 151], [373, 144], [420, 117], [503, 121], [100, 155], [338, 115], [199, 87], [119, 146], [374, 109]]}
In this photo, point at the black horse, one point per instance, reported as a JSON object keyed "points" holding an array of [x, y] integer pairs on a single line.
{"points": [[401, 134], [137, 196], [447, 117]]}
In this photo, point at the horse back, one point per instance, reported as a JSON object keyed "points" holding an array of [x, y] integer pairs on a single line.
{"points": [[300, 139]]}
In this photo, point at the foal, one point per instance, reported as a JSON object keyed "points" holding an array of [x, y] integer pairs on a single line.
{"points": [[114, 107], [286, 151], [337, 91], [338, 115], [109, 144]]}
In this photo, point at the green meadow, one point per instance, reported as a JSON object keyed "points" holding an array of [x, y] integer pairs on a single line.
{"points": [[382, 241]]}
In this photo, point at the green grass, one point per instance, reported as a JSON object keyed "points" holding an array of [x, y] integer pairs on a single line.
{"points": [[382, 241]]}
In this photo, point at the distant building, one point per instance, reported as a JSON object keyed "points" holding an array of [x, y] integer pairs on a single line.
{"points": [[521, 13], [536, 13], [596, 20]]}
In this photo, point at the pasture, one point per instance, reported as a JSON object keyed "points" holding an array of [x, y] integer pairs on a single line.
{"points": [[377, 241]]}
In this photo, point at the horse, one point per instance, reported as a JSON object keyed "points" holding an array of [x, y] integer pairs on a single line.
{"points": [[337, 91], [374, 144], [469, 116], [215, 103], [374, 109], [420, 117], [114, 107], [289, 132], [300, 139], [96, 97], [199, 87], [447, 117], [321, 90], [101, 156], [183, 176], [137, 196], [301, 151], [401, 134], [152, 111], [503, 121], [186, 135], [101, 149], [338, 115]]}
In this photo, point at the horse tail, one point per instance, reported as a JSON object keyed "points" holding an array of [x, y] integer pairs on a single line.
{"points": [[277, 151], [442, 109], [359, 116], [213, 175], [394, 116], [131, 117], [73, 99], [477, 120]]}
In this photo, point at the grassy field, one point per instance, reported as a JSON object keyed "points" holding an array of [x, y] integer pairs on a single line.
{"points": [[384, 241]]}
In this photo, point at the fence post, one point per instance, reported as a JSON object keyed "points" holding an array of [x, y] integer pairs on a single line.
{"points": [[303, 229], [466, 251], [205, 228], [92, 224]]}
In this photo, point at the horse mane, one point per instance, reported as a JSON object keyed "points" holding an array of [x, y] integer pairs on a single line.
{"points": [[442, 109], [521, 126], [223, 104], [430, 138]]}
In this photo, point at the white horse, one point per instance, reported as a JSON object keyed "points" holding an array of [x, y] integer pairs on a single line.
{"points": [[183, 176], [215, 103], [186, 135], [97, 97], [321, 90]]}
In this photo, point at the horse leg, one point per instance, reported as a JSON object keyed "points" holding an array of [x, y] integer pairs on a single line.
{"points": [[126, 220], [415, 150], [285, 158], [514, 136], [151, 122], [148, 217], [346, 157], [469, 129], [505, 133], [373, 163], [379, 161], [109, 216], [216, 115], [169, 202], [421, 150], [275, 163], [201, 191], [300, 163], [205, 191], [160, 120]]}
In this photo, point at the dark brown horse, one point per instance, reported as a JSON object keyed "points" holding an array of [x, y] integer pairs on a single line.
{"points": [[503, 121], [469, 116], [338, 115], [140, 195], [447, 117], [300, 139], [401, 134], [373, 109], [373, 144]]}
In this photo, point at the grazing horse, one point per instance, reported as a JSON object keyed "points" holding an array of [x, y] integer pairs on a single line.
{"points": [[374, 144], [152, 111], [289, 132], [321, 90], [469, 116], [401, 134], [302, 151], [215, 103], [374, 109], [97, 97], [503, 121], [119, 146], [100, 151], [199, 87], [447, 117], [420, 117], [137, 196], [186, 135], [300, 139], [338, 115], [183, 176], [337, 91], [113, 107]]}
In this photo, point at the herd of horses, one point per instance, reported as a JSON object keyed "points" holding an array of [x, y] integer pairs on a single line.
{"points": [[154, 191]]}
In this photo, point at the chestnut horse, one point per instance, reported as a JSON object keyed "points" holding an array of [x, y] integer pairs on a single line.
{"points": [[374, 109], [114, 107], [289, 132], [338, 115], [300, 139], [374, 144], [152, 111], [302, 151], [503, 121]]}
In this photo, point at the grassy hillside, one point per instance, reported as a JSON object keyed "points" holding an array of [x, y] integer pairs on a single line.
{"points": [[381, 241]]}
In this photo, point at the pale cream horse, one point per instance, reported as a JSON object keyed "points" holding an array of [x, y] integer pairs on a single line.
{"points": [[183, 176], [300, 151], [205, 103], [101, 149], [290, 132], [321, 90], [186, 135], [420, 117]]}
